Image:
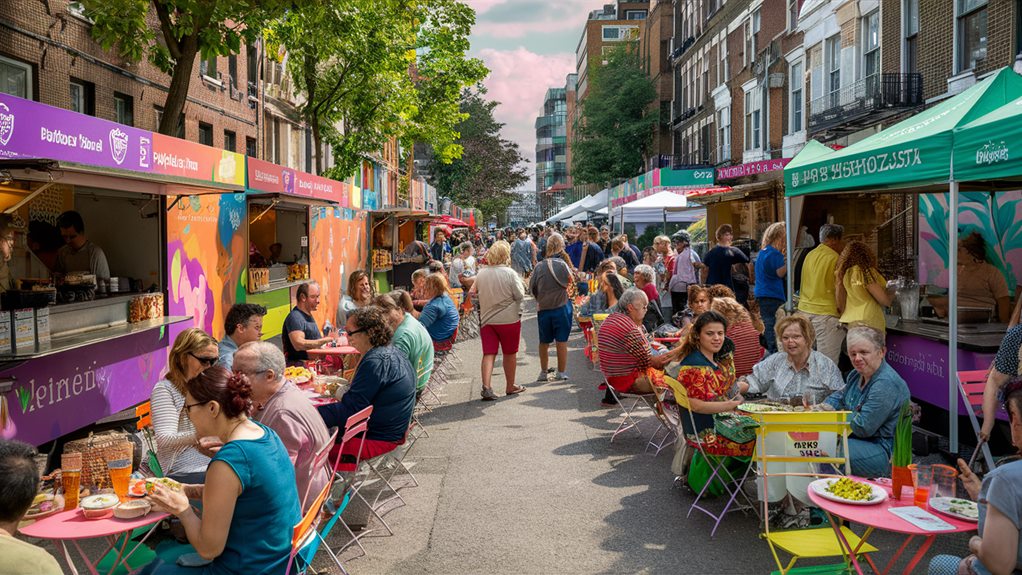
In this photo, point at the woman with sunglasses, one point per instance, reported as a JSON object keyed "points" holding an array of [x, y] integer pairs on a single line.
{"points": [[249, 498], [193, 352]]}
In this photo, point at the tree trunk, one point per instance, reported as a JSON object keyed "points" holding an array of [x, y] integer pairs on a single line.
{"points": [[180, 80]]}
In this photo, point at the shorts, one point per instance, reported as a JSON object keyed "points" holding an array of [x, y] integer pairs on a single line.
{"points": [[503, 336], [554, 324]]}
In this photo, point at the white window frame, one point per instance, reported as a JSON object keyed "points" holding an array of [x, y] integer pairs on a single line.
{"points": [[29, 79], [129, 105], [792, 22], [959, 64], [724, 133], [832, 54], [865, 42], [907, 33], [796, 94], [206, 76], [752, 27], [753, 119], [81, 96]]}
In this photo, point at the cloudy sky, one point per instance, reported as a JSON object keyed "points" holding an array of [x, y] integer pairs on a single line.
{"points": [[529, 46]]}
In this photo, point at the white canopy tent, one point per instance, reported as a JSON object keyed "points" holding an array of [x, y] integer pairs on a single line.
{"points": [[587, 204], [660, 207]]}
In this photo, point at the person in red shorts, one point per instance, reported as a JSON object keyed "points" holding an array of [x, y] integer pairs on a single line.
{"points": [[625, 352], [501, 292]]}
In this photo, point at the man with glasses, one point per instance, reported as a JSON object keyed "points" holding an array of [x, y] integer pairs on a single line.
{"points": [[244, 323], [282, 407], [625, 352], [79, 254]]}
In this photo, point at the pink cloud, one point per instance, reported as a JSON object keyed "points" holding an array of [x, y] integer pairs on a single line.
{"points": [[519, 80]]}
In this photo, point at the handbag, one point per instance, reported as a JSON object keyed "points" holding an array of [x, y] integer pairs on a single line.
{"points": [[738, 428]]}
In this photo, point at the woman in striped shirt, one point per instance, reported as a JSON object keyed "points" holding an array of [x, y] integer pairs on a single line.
{"points": [[194, 351]]}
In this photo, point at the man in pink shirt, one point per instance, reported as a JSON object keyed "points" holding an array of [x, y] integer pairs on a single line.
{"points": [[282, 407]]}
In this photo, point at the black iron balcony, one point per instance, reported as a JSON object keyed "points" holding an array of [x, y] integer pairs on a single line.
{"points": [[864, 103], [683, 47]]}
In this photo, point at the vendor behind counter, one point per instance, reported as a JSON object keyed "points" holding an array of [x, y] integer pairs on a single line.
{"points": [[79, 253], [981, 286]]}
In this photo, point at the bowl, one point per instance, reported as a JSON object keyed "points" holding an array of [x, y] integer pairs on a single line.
{"points": [[103, 501], [98, 513], [132, 509]]}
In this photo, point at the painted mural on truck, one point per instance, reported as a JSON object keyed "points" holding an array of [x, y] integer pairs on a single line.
{"points": [[338, 247], [996, 216]]}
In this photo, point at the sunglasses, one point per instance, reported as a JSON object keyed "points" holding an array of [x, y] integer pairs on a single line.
{"points": [[206, 361]]}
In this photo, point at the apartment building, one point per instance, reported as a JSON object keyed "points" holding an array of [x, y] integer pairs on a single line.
{"points": [[654, 53]]}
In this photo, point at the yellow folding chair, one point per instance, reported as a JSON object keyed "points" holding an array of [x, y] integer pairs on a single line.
{"points": [[809, 543]]}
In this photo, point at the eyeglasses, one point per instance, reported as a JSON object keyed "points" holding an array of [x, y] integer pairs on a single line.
{"points": [[206, 361], [251, 374], [354, 331], [187, 409]]}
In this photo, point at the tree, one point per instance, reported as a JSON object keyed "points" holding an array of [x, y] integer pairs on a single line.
{"points": [[372, 70], [182, 30], [490, 167], [615, 130]]}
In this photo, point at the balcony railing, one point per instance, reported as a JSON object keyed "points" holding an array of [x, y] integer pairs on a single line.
{"points": [[684, 46], [865, 102]]}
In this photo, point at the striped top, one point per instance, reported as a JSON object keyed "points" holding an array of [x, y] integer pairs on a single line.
{"points": [[748, 352], [623, 346], [175, 434]]}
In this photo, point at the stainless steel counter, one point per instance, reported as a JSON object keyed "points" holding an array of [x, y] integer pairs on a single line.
{"points": [[982, 337], [75, 340]]}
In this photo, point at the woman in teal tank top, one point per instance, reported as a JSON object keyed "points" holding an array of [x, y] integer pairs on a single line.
{"points": [[249, 501]]}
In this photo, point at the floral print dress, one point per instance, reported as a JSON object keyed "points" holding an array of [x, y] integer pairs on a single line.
{"points": [[705, 382]]}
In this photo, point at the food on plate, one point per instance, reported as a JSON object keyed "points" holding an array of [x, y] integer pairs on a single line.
{"points": [[850, 489], [132, 509], [298, 374], [137, 488], [45, 504], [99, 506], [165, 482], [965, 508]]}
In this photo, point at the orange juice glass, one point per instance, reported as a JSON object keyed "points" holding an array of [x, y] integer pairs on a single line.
{"points": [[71, 479], [120, 475]]}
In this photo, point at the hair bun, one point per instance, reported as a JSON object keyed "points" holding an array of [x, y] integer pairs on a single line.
{"points": [[239, 394]]}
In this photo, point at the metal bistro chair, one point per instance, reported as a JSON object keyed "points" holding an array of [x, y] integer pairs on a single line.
{"points": [[630, 403], [970, 386], [670, 421]]}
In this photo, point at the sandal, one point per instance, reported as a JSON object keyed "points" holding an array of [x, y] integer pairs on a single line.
{"points": [[488, 394], [515, 390]]}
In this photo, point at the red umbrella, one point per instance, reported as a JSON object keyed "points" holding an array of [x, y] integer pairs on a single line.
{"points": [[471, 218], [450, 221]]}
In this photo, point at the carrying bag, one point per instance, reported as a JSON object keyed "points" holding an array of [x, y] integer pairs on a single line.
{"points": [[699, 473]]}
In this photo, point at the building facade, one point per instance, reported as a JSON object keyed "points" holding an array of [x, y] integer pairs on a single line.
{"points": [[655, 55]]}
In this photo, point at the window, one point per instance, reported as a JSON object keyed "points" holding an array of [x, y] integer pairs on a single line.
{"points": [[635, 14], [232, 72], [753, 105], [159, 119], [871, 49], [796, 99], [230, 140], [205, 134], [832, 49], [250, 146], [15, 78], [611, 32], [1018, 26], [792, 15], [724, 134], [83, 97], [751, 35], [911, 51], [208, 68], [972, 33], [618, 33], [124, 109], [252, 68]]}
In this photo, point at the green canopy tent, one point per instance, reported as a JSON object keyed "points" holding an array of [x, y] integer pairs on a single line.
{"points": [[990, 148], [913, 154]]}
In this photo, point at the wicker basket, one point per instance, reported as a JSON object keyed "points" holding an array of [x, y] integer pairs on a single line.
{"points": [[96, 450]]}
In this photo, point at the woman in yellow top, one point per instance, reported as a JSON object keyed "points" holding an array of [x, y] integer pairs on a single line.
{"points": [[861, 291]]}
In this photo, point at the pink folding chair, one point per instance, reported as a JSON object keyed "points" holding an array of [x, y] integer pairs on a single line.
{"points": [[320, 460], [970, 386]]}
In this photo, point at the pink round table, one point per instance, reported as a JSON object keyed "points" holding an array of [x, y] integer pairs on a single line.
{"points": [[340, 350], [70, 526], [879, 517]]}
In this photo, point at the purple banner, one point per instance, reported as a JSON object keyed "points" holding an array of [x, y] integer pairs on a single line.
{"points": [[33, 130], [61, 393], [923, 364]]}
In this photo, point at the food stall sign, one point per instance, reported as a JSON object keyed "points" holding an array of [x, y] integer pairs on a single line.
{"points": [[176, 157], [273, 179], [751, 168], [32, 130], [656, 181]]}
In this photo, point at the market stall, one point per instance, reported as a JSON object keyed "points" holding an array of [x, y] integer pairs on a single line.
{"points": [[396, 240], [914, 156]]}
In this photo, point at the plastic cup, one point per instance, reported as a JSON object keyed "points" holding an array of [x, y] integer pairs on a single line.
{"points": [[120, 475], [944, 478], [922, 479]]}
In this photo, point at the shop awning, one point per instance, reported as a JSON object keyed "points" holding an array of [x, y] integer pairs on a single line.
{"points": [[659, 207], [446, 220], [699, 194], [913, 153], [990, 148]]}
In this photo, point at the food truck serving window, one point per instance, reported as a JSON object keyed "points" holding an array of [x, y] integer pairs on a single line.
{"points": [[278, 233]]}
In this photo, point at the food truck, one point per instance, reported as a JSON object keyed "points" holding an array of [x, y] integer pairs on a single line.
{"points": [[180, 224]]}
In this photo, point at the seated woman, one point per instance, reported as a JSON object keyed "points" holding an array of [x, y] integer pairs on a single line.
{"points": [[708, 374], [622, 271], [193, 352], [439, 316], [418, 293], [384, 378], [797, 369], [645, 279], [360, 294], [1006, 365], [874, 393], [998, 547], [742, 332], [699, 300], [605, 297], [247, 514]]}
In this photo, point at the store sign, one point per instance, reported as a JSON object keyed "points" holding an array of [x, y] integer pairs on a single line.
{"points": [[923, 364], [176, 157], [273, 179], [751, 169], [659, 180], [32, 130]]}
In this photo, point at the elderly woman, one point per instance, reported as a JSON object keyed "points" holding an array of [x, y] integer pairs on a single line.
{"points": [[800, 371], [874, 393], [742, 331], [439, 316], [247, 513], [501, 292], [522, 257], [998, 547], [383, 379], [177, 443], [645, 280], [360, 294], [860, 289]]}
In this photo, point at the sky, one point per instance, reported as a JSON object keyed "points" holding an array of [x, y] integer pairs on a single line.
{"points": [[529, 46]]}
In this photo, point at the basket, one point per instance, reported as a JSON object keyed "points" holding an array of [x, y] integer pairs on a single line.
{"points": [[96, 450], [737, 428]]}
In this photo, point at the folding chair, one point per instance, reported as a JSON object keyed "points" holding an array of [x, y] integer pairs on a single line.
{"points": [[670, 420], [629, 404], [719, 471], [970, 386], [814, 542], [304, 534], [320, 460], [345, 488]]}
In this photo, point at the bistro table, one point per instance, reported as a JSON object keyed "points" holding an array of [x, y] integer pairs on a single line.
{"points": [[879, 517], [71, 526]]}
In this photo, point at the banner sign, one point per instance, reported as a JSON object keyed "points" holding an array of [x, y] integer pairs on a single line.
{"points": [[659, 180], [752, 168], [273, 179], [177, 157], [32, 130]]}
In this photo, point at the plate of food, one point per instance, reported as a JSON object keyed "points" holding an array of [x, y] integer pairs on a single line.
{"points": [[132, 509], [754, 407], [164, 482], [44, 505], [298, 374], [847, 490], [958, 508], [99, 506]]}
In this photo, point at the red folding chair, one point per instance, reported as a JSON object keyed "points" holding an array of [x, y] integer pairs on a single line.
{"points": [[970, 386]]}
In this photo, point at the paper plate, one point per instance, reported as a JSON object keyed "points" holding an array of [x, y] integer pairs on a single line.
{"points": [[820, 487]]}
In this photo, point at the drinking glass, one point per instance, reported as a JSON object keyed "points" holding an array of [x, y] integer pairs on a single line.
{"points": [[922, 478], [943, 482], [72, 479], [120, 474]]}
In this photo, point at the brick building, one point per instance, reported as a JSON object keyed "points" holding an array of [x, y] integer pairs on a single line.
{"points": [[654, 53]]}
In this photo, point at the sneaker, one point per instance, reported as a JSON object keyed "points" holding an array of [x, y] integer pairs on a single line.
{"points": [[797, 521], [543, 377], [560, 376], [488, 394]]}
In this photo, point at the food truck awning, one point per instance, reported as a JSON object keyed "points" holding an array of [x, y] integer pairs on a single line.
{"points": [[739, 192], [912, 153], [983, 148]]}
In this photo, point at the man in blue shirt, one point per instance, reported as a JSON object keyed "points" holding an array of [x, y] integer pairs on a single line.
{"points": [[770, 273], [244, 323], [573, 247], [439, 247], [300, 332]]}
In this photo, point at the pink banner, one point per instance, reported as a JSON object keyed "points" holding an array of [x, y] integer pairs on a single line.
{"points": [[751, 168], [273, 179]]}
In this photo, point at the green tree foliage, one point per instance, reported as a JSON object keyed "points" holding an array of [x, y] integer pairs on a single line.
{"points": [[372, 70], [615, 129], [172, 33], [490, 167]]}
